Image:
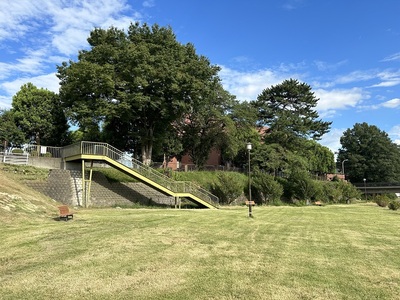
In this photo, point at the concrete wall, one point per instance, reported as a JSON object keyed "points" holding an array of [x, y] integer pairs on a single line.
{"points": [[65, 186], [46, 162]]}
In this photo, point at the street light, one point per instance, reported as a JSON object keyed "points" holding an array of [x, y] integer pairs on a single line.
{"points": [[365, 188], [344, 175], [248, 147]]}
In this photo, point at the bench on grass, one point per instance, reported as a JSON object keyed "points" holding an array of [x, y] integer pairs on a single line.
{"points": [[65, 213]]}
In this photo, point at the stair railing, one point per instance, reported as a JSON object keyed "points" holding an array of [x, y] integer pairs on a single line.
{"points": [[104, 149]]}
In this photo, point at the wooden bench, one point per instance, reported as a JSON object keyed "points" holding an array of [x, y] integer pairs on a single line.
{"points": [[65, 213]]}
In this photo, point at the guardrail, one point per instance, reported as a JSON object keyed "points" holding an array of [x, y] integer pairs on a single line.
{"points": [[104, 149], [44, 151], [14, 158], [376, 184]]}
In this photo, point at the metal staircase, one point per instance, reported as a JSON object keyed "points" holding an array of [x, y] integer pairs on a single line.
{"points": [[93, 151]]}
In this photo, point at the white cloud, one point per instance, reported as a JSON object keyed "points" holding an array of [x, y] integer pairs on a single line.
{"points": [[395, 131], [392, 57], [325, 66], [356, 76], [69, 22], [47, 32], [48, 81], [248, 85], [28, 65], [394, 103], [388, 79], [5, 102], [148, 3], [72, 40], [394, 134], [17, 18], [72, 24], [332, 139], [292, 4], [387, 83], [338, 98]]}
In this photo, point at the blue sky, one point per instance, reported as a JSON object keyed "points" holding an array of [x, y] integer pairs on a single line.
{"points": [[348, 51]]}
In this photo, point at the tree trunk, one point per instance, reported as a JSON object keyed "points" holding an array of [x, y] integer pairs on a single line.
{"points": [[147, 147], [37, 140]]}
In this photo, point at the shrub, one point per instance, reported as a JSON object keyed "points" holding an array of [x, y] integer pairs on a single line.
{"points": [[303, 187], [228, 187], [382, 200], [348, 192], [331, 193], [265, 189], [394, 205]]}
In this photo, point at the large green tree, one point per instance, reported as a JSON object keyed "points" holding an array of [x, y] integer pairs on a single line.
{"points": [[243, 129], [133, 85], [320, 159], [206, 126], [39, 114], [276, 160], [10, 134], [288, 110], [370, 154]]}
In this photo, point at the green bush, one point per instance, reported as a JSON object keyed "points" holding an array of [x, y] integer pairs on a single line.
{"points": [[209, 179], [228, 187], [266, 190], [382, 200], [331, 193], [17, 151], [47, 154], [303, 187], [348, 192], [394, 205]]}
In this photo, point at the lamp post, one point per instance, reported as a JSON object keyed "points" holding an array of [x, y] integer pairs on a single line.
{"points": [[248, 147], [344, 175], [365, 188]]}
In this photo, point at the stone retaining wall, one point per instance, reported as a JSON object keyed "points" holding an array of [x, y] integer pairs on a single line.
{"points": [[65, 186]]}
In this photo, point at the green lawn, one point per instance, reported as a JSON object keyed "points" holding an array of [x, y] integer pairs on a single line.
{"points": [[330, 252]]}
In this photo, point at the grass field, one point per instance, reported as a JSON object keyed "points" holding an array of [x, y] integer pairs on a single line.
{"points": [[330, 252]]}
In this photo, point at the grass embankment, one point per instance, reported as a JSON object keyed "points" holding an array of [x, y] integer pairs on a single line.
{"points": [[17, 201], [331, 252]]}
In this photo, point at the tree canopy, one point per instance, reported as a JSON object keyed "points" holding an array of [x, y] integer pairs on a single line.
{"points": [[287, 109], [289, 124], [144, 92], [10, 134], [134, 85], [370, 154], [39, 115]]}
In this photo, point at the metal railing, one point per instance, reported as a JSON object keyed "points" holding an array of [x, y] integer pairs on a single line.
{"points": [[44, 151], [104, 149]]}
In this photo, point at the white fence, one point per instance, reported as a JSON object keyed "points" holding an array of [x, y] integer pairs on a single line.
{"points": [[15, 158]]}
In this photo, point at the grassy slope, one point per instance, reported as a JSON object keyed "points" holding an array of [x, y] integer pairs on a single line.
{"points": [[18, 202]]}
